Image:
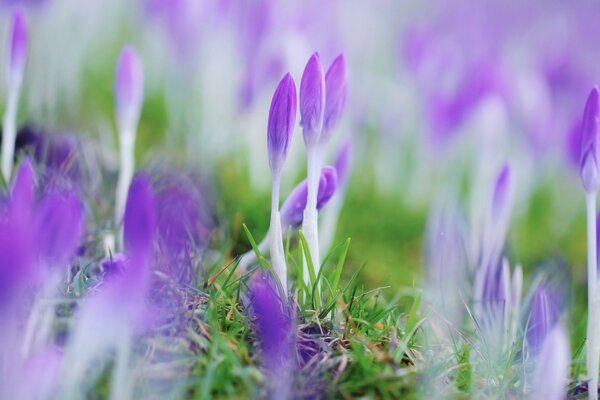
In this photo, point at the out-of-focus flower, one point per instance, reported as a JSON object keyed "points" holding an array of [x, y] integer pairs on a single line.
{"points": [[590, 136], [129, 86], [544, 315], [343, 162], [17, 49], [336, 88], [551, 374], [35, 236], [292, 210], [312, 100], [282, 118], [275, 332], [501, 196]]}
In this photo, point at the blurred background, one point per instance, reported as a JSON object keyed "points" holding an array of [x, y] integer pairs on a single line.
{"points": [[441, 95]]}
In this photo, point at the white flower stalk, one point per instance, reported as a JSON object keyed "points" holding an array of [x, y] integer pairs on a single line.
{"points": [[312, 109], [15, 67], [129, 94], [590, 179], [282, 118]]}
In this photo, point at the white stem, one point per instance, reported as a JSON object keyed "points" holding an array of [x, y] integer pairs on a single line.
{"points": [[276, 237], [249, 257], [9, 131], [593, 349], [121, 385], [310, 226], [126, 168]]}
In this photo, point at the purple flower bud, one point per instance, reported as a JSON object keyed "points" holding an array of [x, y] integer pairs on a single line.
{"points": [[58, 226], [17, 49], [273, 323], [140, 219], [129, 86], [312, 100], [544, 314], [551, 375], [292, 210], [336, 90], [590, 134], [343, 161], [282, 118], [501, 194]]}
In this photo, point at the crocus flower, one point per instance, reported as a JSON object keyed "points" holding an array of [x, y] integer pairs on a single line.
{"points": [[108, 320], [312, 100], [336, 82], [292, 210], [17, 55], [282, 118], [17, 49], [551, 374], [590, 136], [543, 317], [129, 92], [275, 332]]}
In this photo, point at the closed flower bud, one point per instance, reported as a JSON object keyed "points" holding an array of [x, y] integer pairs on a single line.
{"points": [[282, 118], [17, 49], [336, 89], [590, 134], [129, 86], [312, 100]]}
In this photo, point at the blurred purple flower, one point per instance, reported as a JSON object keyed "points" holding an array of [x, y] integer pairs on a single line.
{"points": [[58, 226], [185, 220], [542, 318], [34, 236], [139, 222], [273, 323], [17, 49], [312, 100], [129, 86], [292, 210], [590, 135], [336, 88], [282, 118], [551, 375]]}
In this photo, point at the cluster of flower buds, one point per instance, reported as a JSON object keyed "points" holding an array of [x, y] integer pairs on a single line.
{"points": [[322, 97]]}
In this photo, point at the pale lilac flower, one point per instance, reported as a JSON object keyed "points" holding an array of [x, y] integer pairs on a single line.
{"points": [[551, 375], [544, 315], [343, 162], [282, 118], [336, 82], [590, 135], [17, 49], [501, 195], [129, 86], [312, 100]]}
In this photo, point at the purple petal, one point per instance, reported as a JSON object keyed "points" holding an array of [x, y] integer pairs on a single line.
{"points": [[551, 375], [544, 314], [58, 226], [343, 161], [17, 56], [336, 91], [129, 85], [327, 186], [312, 99], [282, 118], [139, 221], [292, 210], [273, 323], [590, 131]]}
